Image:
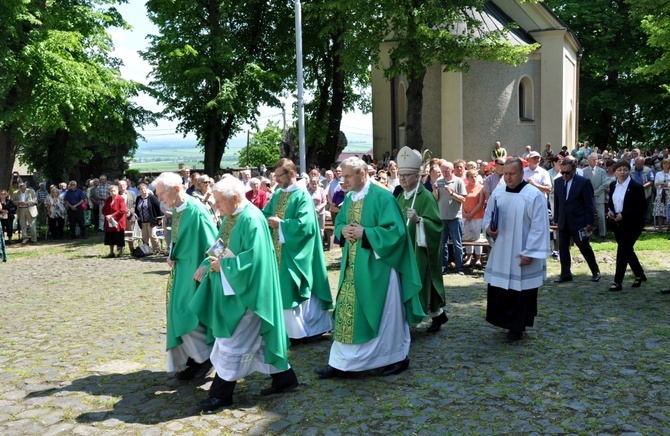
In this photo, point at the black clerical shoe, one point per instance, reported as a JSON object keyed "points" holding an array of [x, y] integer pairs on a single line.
{"points": [[285, 381], [665, 291], [212, 403], [330, 372], [195, 370], [437, 323], [396, 368], [596, 277], [563, 279], [514, 336], [614, 287]]}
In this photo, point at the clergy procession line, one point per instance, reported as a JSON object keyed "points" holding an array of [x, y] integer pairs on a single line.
{"points": [[263, 281]]}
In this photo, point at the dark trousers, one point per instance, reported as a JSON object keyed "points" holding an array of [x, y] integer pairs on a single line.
{"points": [[564, 236], [95, 216], [56, 227], [8, 227], [76, 218], [625, 254]]}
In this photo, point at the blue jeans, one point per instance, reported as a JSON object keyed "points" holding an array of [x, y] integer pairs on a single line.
{"points": [[453, 230]]}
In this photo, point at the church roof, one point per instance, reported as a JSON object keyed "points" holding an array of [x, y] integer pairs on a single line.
{"points": [[494, 19]]}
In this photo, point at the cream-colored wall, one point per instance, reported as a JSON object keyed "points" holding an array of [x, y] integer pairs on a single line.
{"points": [[382, 138], [452, 116], [431, 115]]}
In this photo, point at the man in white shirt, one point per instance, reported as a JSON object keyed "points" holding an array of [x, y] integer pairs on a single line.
{"points": [[535, 175]]}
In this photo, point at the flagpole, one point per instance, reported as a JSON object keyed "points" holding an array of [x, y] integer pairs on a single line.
{"points": [[301, 102]]}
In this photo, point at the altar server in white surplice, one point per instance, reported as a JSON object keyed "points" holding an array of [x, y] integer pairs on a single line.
{"points": [[517, 264]]}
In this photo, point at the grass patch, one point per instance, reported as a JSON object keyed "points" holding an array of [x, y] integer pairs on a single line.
{"points": [[646, 242]]}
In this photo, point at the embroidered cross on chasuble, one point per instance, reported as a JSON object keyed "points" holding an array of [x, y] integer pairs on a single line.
{"points": [[346, 297], [280, 211]]}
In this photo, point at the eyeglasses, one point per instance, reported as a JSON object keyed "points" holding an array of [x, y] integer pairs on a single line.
{"points": [[405, 176], [279, 174], [565, 173]]}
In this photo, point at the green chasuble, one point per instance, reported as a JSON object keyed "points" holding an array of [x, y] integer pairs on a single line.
{"points": [[364, 279], [428, 259], [252, 274], [302, 266], [193, 232]]}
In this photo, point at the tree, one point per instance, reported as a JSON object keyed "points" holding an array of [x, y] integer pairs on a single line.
{"points": [[619, 106], [655, 22], [263, 147], [57, 78], [339, 38], [214, 63], [429, 31]]}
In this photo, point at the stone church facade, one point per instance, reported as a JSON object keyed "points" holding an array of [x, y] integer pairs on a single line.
{"points": [[465, 113]]}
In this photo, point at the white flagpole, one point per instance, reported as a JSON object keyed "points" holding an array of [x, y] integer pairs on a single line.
{"points": [[301, 102]]}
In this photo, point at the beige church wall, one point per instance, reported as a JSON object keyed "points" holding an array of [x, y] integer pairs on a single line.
{"points": [[491, 109], [432, 113], [382, 134]]}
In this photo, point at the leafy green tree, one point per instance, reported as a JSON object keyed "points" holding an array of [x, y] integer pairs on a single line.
{"points": [[619, 106], [263, 147], [214, 63], [339, 38], [57, 80], [655, 22], [424, 32]]}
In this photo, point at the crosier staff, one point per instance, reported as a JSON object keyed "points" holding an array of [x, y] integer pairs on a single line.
{"points": [[425, 158]]}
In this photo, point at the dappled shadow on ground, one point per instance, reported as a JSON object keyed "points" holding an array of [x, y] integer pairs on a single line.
{"points": [[146, 397]]}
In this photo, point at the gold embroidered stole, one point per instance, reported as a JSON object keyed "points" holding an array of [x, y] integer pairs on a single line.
{"points": [[280, 211], [346, 297]]}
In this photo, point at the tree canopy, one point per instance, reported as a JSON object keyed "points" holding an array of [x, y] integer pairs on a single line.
{"points": [[620, 106], [60, 91], [263, 147], [214, 63]]}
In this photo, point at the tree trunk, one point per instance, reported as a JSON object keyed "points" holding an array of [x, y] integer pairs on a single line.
{"points": [[414, 95], [8, 147], [336, 106]]}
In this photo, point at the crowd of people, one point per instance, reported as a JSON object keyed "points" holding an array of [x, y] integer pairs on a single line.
{"points": [[248, 272]]}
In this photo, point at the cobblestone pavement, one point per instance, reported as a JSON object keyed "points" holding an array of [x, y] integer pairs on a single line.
{"points": [[82, 352]]}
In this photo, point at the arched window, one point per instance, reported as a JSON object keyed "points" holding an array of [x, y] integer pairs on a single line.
{"points": [[526, 99]]}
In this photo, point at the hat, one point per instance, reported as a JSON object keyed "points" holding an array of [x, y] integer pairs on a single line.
{"points": [[533, 154], [22, 185], [371, 168], [409, 160]]}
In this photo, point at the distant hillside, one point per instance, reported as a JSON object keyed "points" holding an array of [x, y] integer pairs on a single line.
{"points": [[165, 154]]}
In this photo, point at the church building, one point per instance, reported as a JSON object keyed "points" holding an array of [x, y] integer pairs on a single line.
{"points": [[465, 113]]}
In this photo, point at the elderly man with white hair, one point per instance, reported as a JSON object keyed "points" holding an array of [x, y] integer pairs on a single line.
{"points": [[239, 299], [378, 292], [193, 233]]}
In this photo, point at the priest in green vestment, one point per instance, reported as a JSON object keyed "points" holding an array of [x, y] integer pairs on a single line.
{"points": [[296, 236], [193, 232], [239, 300], [425, 225], [379, 286]]}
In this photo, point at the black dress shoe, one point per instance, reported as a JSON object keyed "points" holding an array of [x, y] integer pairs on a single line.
{"points": [[614, 287], [330, 372], [514, 336], [212, 403], [195, 370], [665, 291], [563, 279], [437, 323], [596, 277], [396, 368], [285, 381]]}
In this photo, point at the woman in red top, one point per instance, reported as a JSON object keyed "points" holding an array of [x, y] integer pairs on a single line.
{"points": [[258, 197], [114, 212], [473, 216]]}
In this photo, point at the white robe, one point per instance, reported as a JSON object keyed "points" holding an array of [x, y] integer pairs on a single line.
{"points": [[391, 344], [523, 229]]}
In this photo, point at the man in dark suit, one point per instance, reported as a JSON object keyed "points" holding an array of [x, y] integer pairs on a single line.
{"points": [[574, 213]]}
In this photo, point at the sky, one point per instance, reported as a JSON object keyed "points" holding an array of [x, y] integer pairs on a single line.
{"points": [[128, 43]]}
